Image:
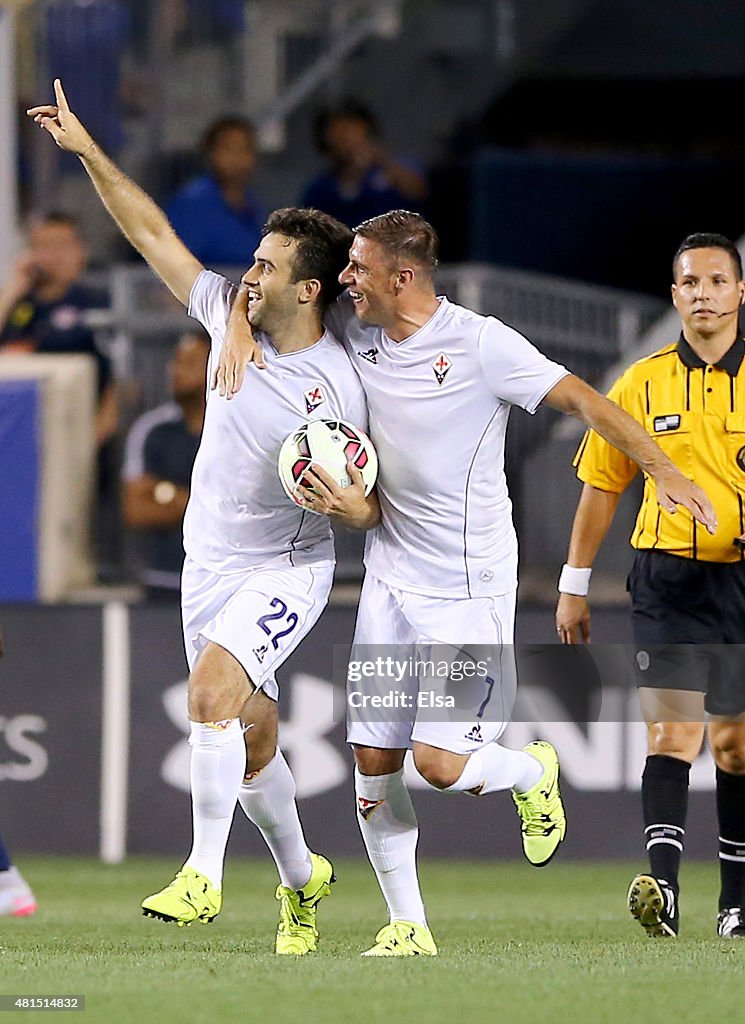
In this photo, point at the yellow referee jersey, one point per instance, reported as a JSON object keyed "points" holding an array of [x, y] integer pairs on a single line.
{"points": [[696, 413]]}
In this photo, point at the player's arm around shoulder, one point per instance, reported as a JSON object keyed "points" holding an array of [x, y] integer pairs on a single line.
{"points": [[141, 221], [239, 348]]}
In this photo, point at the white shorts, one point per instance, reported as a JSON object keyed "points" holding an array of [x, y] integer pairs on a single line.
{"points": [[259, 616], [418, 635]]}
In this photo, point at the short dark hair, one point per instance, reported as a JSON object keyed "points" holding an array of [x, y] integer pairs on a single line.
{"points": [[348, 110], [702, 240], [323, 245], [225, 124], [405, 236], [58, 217]]}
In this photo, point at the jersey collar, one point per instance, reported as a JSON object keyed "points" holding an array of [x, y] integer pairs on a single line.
{"points": [[730, 361], [268, 345], [412, 339]]}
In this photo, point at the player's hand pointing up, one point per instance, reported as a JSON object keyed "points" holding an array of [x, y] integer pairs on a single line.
{"points": [[62, 124]]}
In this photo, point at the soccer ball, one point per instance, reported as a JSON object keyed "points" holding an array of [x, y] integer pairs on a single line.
{"points": [[331, 444]]}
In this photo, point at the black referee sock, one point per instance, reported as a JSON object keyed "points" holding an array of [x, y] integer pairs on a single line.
{"points": [[731, 813], [665, 805]]}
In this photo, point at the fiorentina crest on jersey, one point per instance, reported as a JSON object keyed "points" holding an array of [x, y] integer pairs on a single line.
{"points": [[314, 397], [441, 367]]}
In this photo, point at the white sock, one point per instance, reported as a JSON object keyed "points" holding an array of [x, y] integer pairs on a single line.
{"points": [[268, 800], [389, 830], [494, 768], [218, 761]]}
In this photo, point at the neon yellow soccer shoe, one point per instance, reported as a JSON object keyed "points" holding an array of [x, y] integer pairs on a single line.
{"points": [[189, 897], [297, 933], [544, 822], [403, 938]]}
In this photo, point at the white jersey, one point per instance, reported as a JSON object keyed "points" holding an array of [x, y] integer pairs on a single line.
{"points": [[438, 404], [238, 516]]}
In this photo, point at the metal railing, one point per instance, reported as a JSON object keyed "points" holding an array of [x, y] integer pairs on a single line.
{"points": [[587, 328]]}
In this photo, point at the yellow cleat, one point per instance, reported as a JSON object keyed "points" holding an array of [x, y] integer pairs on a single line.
{"points": [[189, 897], [654, 904], [297, 933], [403, 938], [544, 822]]}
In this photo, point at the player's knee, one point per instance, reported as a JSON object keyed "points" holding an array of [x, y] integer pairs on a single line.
{"points": [[728, 750], [218, 687], [731, 761], [440, 768], [202, 707], [675, 739], [211, 704], [377, 761]]}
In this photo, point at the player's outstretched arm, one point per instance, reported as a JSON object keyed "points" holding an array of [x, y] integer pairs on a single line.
{"points": [[592, 520], [574, 396], [238, 349], [347, 505], [141, 221]]}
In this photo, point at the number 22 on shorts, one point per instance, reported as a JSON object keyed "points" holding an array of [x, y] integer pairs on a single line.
{"points": [[271, 622]]}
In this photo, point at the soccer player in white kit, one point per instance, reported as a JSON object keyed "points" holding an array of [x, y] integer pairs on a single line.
{"points": [[441, 568], [258, 568]]}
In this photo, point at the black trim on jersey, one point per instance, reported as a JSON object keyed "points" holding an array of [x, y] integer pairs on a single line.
{"points": [[688, 389], [293, 542], [581, 451], [694, 543], [657, 528], [730, 361], [732, 393], [465, 499], [646, 392], [742, 524]]}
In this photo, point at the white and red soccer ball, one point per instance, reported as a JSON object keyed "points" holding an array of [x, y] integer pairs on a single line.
{"points": [[330, 444]]}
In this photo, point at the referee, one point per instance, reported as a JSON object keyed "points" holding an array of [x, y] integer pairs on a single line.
{"points": [[687, 587]]}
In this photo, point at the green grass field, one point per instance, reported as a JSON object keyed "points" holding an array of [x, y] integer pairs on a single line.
{"points": [[516, 945]]}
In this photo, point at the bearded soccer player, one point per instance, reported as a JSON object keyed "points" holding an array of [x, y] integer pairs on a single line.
{"points": [[442, 565], [258, 568]]}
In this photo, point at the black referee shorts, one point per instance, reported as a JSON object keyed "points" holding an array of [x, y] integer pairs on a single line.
{"points": [[688, 622]]}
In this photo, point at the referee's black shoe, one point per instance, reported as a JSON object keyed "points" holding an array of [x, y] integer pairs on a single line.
{"points": [[654, 904], [731, 923]]}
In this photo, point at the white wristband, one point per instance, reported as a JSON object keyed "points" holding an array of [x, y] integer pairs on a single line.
{"points": [[574, 581]]}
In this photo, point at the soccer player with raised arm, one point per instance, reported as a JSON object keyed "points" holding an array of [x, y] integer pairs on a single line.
{"points": [[442, 565], [258, 568]]}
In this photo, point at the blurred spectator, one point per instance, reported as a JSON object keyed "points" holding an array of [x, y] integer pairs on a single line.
{"points": [[217, 215], [160, 452], [362, 179], [84, 44], [43, 306]]}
